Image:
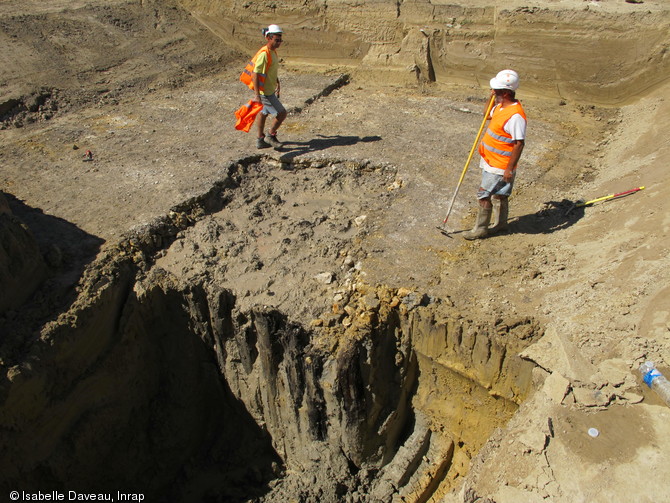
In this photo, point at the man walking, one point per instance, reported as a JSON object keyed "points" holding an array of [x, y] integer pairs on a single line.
{"points": [[500, 150], [267, 88]]}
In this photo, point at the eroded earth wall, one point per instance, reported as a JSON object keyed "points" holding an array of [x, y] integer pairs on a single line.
{"points": [[171, 387], [431, 40]]}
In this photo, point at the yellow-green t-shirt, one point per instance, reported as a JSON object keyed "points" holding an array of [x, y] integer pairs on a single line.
{"points": [[270, 73]]}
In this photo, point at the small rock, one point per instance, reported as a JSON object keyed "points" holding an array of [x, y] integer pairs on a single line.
{"points": [[13, 373], [612, 372], [592, 398], [584, 396], [371, 302], [556, 387], [395, 185], [632, 397], [359, 220], [534, 439], [325, 277], [415, 300], [331, 320]]}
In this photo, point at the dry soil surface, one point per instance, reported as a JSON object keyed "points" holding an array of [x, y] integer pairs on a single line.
{"points": [[158, 121]]}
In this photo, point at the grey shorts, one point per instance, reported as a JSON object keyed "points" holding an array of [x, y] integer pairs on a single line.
{"points": [[494, 185], [271, 105]]}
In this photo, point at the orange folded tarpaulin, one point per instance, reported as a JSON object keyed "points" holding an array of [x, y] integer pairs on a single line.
{"points": [[246, 115]]}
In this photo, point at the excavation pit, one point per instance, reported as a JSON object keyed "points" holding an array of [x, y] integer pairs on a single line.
{"points": [[150, 89], [233, 350]]}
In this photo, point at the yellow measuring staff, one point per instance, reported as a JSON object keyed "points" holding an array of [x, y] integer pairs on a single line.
{"points": [[472, 151], [611, 196]]}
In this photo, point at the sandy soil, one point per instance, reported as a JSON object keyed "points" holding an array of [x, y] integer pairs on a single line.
{"points": [[596, 277]]}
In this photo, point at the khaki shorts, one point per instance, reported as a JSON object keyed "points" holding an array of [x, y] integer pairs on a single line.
{"points": [[271, 105]]}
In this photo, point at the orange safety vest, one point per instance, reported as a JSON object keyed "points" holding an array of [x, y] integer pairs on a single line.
{"points": [[246, 115], [497, 145], [248, 71]]}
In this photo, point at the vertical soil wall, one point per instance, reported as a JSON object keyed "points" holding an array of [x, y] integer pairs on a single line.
{"points": [[432, 41]]}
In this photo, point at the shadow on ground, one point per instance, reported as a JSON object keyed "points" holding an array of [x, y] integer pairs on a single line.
{"points": [[292, 149], [66, 250], [555, 216], [64, 245], [558, 215]]}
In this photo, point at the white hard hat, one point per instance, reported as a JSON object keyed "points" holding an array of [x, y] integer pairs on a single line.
{"points": [[506, 79], [272, 29]]}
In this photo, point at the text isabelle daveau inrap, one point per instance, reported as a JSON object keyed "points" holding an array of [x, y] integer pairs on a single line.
{"points": [[74, 496]]}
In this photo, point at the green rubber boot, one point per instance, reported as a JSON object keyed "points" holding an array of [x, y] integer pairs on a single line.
{"points": [[500, 214], [481, 228]]}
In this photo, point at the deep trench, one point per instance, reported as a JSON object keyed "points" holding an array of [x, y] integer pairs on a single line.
{"points": [[173, 388]]}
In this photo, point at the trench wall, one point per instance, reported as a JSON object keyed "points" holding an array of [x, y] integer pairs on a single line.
{"points": [[149, 384], [590, 54], [164, 386]]}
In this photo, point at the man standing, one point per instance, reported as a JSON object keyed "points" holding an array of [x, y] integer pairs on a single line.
{"points": [[500, 150], [267, 88]]}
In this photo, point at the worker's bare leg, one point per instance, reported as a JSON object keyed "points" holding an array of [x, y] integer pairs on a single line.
{"points": [[277, 122], [261, 124]]}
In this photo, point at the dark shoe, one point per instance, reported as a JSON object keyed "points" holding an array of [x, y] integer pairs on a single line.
{"points": [[272, 140], [261, 143]]}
